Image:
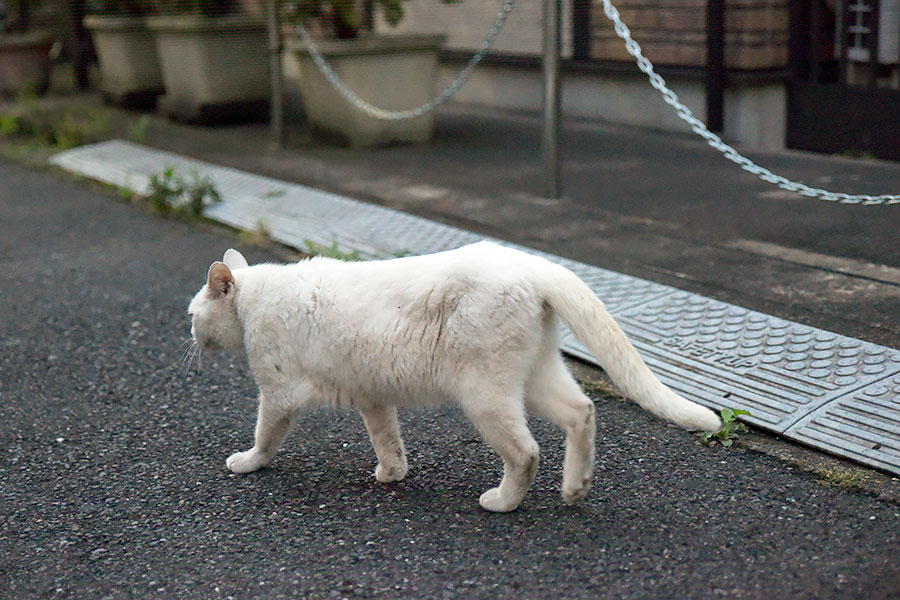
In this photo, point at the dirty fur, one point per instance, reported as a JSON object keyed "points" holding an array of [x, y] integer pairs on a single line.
{"points": [[476, 326]]}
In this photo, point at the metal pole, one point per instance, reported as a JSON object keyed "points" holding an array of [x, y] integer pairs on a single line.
{"points": [[715, 65], [552, 95], [276, 79]]}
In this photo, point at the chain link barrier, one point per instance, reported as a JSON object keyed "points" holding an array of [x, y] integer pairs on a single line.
{"points": [[656, 81], [698, 127], [398, 115]]}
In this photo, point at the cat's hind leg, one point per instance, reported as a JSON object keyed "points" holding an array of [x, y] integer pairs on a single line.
{"points": [[553, 394], [384, 431], [272, 425], [500, 418]]}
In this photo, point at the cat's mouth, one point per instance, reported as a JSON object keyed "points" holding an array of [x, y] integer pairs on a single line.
{"points": [[207, 344]]}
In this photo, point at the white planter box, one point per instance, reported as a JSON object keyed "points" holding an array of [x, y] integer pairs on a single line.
{"points": [[129, 66], [390, 72], [213, 68]]}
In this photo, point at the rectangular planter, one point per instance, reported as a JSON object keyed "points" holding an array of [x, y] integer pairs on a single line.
{"points": [[129, 67], [213, 68], [390, 72]]}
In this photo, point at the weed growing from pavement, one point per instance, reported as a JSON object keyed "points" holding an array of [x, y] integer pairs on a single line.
{"points": [[60, 132], [8, 125], [125, 193], [261, 236], [857, 154], [137, 131], [598, 386], [730, 430], [839, 477], [170, 193], [332, 251]]}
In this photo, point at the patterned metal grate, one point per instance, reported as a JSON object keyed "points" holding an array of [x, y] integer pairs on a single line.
{"points": [[832, 392]]}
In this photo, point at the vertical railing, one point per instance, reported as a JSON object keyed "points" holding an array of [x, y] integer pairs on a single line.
{"points": [[715, 64], [582, 29], [276, 76], [552, 98]]}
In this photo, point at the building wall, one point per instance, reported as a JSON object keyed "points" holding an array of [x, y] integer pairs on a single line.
{"points": [[466, 24], [673, 32]]}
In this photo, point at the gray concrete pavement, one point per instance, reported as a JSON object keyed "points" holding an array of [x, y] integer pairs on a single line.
{"points": [[112, 477], [661, 207]]}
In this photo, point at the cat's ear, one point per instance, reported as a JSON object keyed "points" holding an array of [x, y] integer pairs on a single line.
{"points": [[234, 259], [219, 280]]}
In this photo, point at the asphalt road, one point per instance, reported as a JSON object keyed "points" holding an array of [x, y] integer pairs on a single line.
{"points": [[113, 483]]}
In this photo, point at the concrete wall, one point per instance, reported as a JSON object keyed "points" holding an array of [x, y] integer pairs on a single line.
{"points": [[466, 24], [755, 116]]}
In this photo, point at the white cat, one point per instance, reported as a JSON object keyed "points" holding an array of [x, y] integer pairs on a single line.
{"points": [[476, 326]]}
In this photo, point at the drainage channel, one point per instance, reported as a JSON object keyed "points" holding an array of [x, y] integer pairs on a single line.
{"points": [[832, 392]]}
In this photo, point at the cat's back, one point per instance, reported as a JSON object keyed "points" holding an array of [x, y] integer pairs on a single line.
{"points": [[483, 265], [479, 260]]}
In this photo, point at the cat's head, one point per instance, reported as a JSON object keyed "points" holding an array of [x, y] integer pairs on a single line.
{"points": [[214, 319]]}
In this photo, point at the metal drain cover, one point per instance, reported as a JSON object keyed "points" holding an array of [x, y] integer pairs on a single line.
{"points": [[832, 392]]}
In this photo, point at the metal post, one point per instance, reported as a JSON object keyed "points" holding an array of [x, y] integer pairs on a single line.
{"points": [[552, 95], [874, 30], [715, 65], [276, 79], [582, 29], [844, 64]]}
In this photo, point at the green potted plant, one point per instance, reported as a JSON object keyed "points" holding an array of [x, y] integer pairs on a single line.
{"points": [[213, 57], [24, 53], [126, 52], [393, 72]]}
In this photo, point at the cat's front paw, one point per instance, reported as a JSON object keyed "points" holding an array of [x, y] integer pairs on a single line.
{"points": [[575, 493], [389, 473], [494, 501], [245, 462]]}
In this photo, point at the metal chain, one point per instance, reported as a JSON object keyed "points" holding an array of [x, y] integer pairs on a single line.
{"points": [[716, 142], [398, 115]]}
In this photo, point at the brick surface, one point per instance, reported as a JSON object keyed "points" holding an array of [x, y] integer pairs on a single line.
{"points": [[674, 33]]}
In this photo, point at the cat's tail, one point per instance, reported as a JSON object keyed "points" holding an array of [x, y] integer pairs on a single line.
{"points": [[588, 318]]}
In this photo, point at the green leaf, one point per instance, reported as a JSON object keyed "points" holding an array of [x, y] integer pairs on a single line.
{"points": [[727, 415]]}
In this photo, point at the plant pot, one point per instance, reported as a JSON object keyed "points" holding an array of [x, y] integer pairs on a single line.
{"points": [[214, 68], [25, 62], [390, 72], [129, 67]]}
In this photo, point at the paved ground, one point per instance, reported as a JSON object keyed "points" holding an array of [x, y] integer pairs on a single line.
{"points": [[657, 206], [112, 477]]}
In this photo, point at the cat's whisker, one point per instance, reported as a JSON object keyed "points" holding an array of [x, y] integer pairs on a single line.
{"points": [[184, 357], [184, 344], [194, 352], [184, 349], [184, 364]]}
